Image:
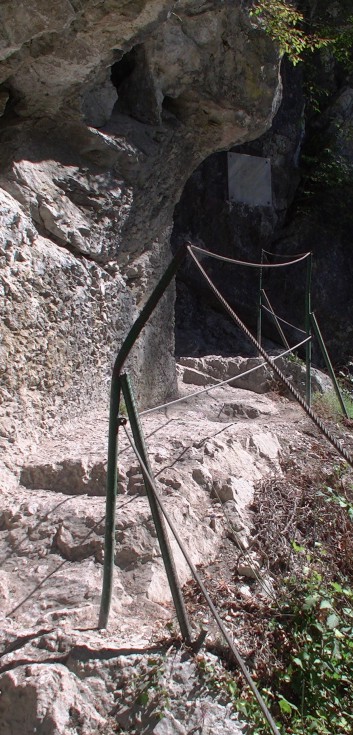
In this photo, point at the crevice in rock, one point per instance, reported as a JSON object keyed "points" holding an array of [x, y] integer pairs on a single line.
{"points": [[122, 69], [84, 653], [30, 661], [5, 101], [134, 82], [172, 106], [23, 640], [42, 230]]}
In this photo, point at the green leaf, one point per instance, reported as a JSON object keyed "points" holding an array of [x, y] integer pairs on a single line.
{"points": [[348, 612], [143, 698], [311, 601], [332, 621], [319, 627], [286, 706], [347, 592], [297, 547], [325, 605], [338, 634]]}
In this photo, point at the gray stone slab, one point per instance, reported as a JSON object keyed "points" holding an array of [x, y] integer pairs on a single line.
{"points": [[249, 180]]}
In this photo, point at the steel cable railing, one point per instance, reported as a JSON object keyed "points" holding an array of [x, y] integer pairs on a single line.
{"points": [[243, 262], [309, 411], [221, 382], [247, 676]]}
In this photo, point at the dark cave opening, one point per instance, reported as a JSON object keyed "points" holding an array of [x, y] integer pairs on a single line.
{"points": [[205, 215], [134, 83], [122, 69], [240, 230], [173, 106]]}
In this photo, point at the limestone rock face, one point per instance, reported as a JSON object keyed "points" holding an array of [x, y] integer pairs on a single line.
{"points": [[48, 698], [54, 54], [87, 191], [205, 453], [59, 674], [250, 374]]}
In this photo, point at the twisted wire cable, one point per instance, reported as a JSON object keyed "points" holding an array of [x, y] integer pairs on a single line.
{"points": [[220, 383], [280, 255], [243, 262], [280, 319], [308, 410], [214, 611]]}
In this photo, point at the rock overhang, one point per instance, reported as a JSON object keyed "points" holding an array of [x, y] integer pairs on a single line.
{"points": [[99, 188]]}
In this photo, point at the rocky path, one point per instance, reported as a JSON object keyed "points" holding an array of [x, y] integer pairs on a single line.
{"points": [[207, 455]]}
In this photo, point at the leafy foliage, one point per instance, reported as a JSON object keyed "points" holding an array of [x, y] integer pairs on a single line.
{"points": [[327, 405], [311, 632], [303, 664], [311, 691], [286, 25], [296, 36], [316, 683], [346, 377], [145, 695]]}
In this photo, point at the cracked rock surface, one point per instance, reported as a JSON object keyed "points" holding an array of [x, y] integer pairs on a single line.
{"points": [[107, 109], [70, 677]]}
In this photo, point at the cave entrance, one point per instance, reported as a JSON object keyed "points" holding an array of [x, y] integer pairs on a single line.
{"points": [[239, 216], [137, 96], [226, 207]]}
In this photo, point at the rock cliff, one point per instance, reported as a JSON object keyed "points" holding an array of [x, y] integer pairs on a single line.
{"points": [[107, 106], [107, 109], [58, 673]]}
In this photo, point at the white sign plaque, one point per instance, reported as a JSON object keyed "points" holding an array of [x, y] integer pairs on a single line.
{"points": [[249, 180]]}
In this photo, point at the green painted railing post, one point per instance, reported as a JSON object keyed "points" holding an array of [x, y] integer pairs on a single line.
{"points": [[308, 329], [259, 306], [112, 471], [109, 543], [157, 516], [328, 363]]}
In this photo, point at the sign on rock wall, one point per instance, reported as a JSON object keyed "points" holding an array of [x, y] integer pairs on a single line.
{"points": [[249, 180]]}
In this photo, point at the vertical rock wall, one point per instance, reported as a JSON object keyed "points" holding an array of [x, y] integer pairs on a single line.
{"points": [[107, 109]]}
